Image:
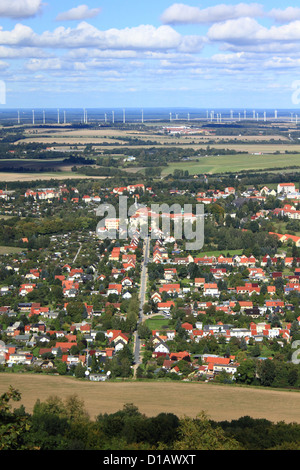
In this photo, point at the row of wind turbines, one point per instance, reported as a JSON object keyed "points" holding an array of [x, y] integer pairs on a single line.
{"points": [[210, 116], [64, 120]]}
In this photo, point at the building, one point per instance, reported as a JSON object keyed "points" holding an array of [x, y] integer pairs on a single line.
{"points": [[211, 289], [286, 188]]}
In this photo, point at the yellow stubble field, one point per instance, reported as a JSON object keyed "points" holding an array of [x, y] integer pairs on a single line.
{"points": [[219, 402]]}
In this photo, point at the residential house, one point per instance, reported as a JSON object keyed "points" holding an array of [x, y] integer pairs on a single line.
{"points": [[199, 281], [211, 289], [170, 289], [26, 289], [248, 289], [286, 188], [114, 289], [165, 306], [169, 273]]}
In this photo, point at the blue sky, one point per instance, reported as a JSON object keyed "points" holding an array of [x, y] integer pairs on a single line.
{"points": [[129, 53]]}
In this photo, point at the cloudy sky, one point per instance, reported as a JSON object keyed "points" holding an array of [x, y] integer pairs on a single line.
{"points": [[137, 53]]}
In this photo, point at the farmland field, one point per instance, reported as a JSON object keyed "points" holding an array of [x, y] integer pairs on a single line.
{"points": [[111, 136], [63, 132], [260, 148], [36, 170], [7, 250], [220, 402], [239, 162], [64, 175]]}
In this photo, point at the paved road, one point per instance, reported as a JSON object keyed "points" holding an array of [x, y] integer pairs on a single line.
{"points": [[143, 289], [79, 250]]}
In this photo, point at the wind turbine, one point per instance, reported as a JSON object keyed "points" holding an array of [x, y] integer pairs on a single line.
{"points": [[85, 118]]}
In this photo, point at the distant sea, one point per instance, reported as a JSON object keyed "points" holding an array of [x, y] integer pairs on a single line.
{"points": [[73, 115]]}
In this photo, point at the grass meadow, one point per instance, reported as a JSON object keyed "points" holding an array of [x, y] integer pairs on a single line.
{"points": [[234, 163]]}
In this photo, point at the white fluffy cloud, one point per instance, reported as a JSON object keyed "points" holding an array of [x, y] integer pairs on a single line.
{"points": [[143, 37], [81, 12], [242, 30], [86, 53], [21, 52], [179, 13], [19, 8], [44, 64], [249, 31], [20, 35], [247, 46], [285, 16]]}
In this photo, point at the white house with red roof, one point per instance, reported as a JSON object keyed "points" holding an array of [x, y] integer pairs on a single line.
{"points": [[211, 289], [114, 288], [170, 288], [286, 188], [26, 289], [248, 289], [165, 306], [127, 282]]}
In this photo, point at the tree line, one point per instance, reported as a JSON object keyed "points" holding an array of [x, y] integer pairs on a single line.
{"points": [[57, 424]]}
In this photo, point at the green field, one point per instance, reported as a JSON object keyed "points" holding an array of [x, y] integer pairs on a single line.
{"points": [[157, 323], [219, 253], [7, 250], [280, 227], [238, 162]]}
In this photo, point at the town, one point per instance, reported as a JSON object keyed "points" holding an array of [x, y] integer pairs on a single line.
{"points": [[103, 308], [149, 228]]}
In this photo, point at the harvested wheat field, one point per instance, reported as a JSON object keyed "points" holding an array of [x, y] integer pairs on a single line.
{"points": [[12, 177], [220, 402]]}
